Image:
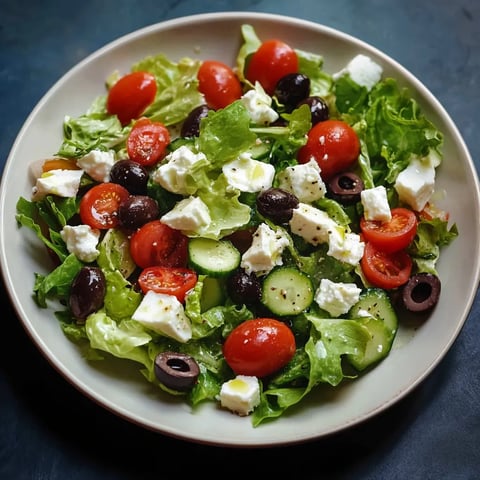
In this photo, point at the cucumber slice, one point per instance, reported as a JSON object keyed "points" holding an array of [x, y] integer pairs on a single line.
{"points": [[212, 293], [216, 258], [375, 311], [287, 291]]}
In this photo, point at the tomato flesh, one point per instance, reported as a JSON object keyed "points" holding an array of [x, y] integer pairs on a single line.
{"points": [[99, 206], [155, 243], [393, 235], [333, 144], [259, 347], [218, 83], [385, 270], [175, 281], [131, 95], [273, 60], [147, 142]]}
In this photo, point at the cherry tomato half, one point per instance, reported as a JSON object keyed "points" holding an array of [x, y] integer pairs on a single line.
{"points": [[385, 270], [147, 142], [99, 206], [394, 235], [273, 60], [259, 347], [131, 95], [155, 243], [218, 83], [175, 281], [333, 144]]}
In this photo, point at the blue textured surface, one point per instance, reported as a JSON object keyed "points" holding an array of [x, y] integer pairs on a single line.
{"points": [[48, 430]]}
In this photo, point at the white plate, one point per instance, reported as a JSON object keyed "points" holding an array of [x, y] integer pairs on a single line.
{"points": [[120, 388]]}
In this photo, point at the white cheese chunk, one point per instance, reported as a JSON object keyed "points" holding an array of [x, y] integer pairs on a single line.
{"points": [[265, 251], [336, 298], [241, 394], [304, 181], [345, 246], [164, 314], [189, 214], [362, 70], [249, 175], [97, 164], [258, 103], [312, 224], [82, 241], [64, 183], [375, 204]]}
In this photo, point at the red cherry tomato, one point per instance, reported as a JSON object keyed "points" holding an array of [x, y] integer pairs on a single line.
{"points": [[394, 235], [155, 243], [99, 206], [175, 281], [259, 347], [131, 95], [273, 60], [333, 144], [218, 83], [385, 270], [147, 142]]}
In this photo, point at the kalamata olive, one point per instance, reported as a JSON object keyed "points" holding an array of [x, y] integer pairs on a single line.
{"points": [[421, 292], [87, 292], [244, 288], [345, 188], [277, 204], [191, 125], [137, 210], [318, 108], [131, 175], [177, 371], [291, 89]]}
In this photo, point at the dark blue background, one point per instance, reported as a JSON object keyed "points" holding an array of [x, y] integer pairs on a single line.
{"points": [[48, 430]]}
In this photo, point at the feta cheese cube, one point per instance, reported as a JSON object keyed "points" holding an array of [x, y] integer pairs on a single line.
{"points": [[362, 70], [345, 246], [265, 252], [312, 224], [64, 183], [97, 164], [249, 175], [258, 103], [304, 181], [189, 214], [375, 204], [82, 241], [164, 314], [415, 184], [241, 394], [336, 298]]}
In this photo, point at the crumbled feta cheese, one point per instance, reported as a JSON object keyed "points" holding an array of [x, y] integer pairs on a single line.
{"points": [[241, 394], [362, 70], [345, 246], [173, 174], [265, 251], [164, 314], [336, 298], [415, 184], [304, 181], [189, 214], [249, 175], [64, 183], [311, 224], [258, 103], [375, 204], [82, 241], [97, 164]]}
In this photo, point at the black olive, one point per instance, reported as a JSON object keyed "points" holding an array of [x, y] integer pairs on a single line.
{"points": [[291, 89], [277, 204], [244, 288], [87, 292], [318, 108], [177, 371], [421, 292], [191, 125], [136, 210], [345, 188], [131, 175]]}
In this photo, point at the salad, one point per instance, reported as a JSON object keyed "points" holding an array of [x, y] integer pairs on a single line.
{"points": [[243, 233]]}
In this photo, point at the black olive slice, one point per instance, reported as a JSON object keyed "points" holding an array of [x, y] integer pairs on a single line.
{"points": [[345, 188], [421, 292], [177, 371]]}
